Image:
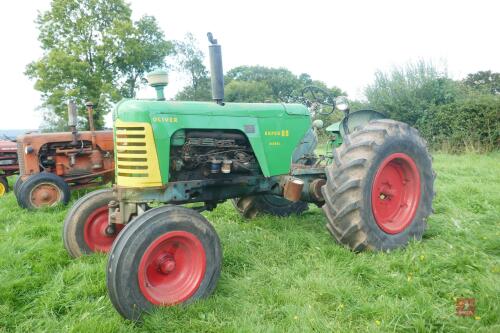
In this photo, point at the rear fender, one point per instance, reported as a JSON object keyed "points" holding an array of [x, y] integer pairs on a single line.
{"points": [[353, 122]]}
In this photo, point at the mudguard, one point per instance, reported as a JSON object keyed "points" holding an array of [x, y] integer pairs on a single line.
{"points": [[353, 122]]}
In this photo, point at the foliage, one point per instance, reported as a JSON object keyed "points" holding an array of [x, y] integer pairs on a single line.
{"points": [[484, 81], [249, 92], [272, 84], [451, 115], [190, 61], [406, 93], [280, 275], [469, 124], [244, 84], [93, 51]]}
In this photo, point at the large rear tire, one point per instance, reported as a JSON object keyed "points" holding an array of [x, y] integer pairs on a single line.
{"points": [[43, 190], [169, 255], [86, 229], [380, 187]]}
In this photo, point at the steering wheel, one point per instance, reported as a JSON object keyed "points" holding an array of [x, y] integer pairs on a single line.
{"points": [[318, 100]]}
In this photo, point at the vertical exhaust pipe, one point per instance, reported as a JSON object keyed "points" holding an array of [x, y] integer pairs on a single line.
{"points": [[216, 72], [90, 111], [72, 122]]}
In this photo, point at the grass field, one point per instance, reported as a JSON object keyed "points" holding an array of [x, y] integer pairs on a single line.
{"points": [[281, 274]]}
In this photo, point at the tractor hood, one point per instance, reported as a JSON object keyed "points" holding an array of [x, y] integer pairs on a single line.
{"points": [[142, 110]]}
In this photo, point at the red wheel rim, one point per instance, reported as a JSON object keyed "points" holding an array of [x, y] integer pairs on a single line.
{"points": [[94, 233], [172, 268], [395, 193]]}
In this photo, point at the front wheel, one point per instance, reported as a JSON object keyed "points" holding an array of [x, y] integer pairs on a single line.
{"points": [[43, 190], [169, 255], [380, 187], [86, 229]]}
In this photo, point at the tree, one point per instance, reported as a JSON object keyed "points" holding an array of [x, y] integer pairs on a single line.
{"points": [[247, 92], [190, 61], [406, 93], [94, 51], [279, 84], [484, 81]]}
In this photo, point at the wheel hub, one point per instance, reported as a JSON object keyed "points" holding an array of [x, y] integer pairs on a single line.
{"points": [[395, 193], [172, 268], [98, 234], [45, 194], [167, 264]]}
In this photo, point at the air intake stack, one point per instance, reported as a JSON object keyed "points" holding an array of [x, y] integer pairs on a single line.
{"points": [[216, 72]]}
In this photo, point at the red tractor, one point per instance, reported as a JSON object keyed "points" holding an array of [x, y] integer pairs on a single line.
{"points": [[8, 164], [53, 164]]}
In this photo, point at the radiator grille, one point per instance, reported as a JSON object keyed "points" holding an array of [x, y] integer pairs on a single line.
{"points": [[20, 157], [136, 159]]}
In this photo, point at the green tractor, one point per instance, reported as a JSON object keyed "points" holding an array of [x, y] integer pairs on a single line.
{"points": [[375, 186]]}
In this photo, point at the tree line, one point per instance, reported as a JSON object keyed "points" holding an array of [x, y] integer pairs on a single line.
{"points": [[93, 50]]}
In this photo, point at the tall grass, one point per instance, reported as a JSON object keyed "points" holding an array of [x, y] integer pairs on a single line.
{"points": [[281, 274]]}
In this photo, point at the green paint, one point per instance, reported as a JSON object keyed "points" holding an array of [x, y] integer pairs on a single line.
{"points": [[355, 121], [260, 122], [335, 136]]}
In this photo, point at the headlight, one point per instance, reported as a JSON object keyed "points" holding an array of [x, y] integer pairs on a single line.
{"points": [[341, 103], [317, 124]]}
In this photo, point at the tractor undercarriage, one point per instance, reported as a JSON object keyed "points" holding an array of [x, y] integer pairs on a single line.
{"points": [[302, 184]]}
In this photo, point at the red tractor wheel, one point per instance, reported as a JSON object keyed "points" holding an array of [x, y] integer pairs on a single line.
{"points": [[169, 255], [380, 187], [395, 193], [86, 228], [43, 190]]}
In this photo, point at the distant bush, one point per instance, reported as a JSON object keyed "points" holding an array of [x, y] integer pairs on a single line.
{"points": [[452, 115], [405, 93], [471, 124]]}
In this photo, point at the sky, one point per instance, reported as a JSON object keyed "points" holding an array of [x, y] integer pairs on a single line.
{"points": [[342, 43]]}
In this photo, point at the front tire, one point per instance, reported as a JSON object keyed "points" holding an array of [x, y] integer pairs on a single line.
{"points": [[169, 255], [43, 190], [380, 187], [86, 225]]}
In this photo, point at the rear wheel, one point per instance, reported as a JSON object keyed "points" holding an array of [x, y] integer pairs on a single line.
{"points": [[86, 229], [43, 190], [4, 186], [169, 255], [380, 187]]}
